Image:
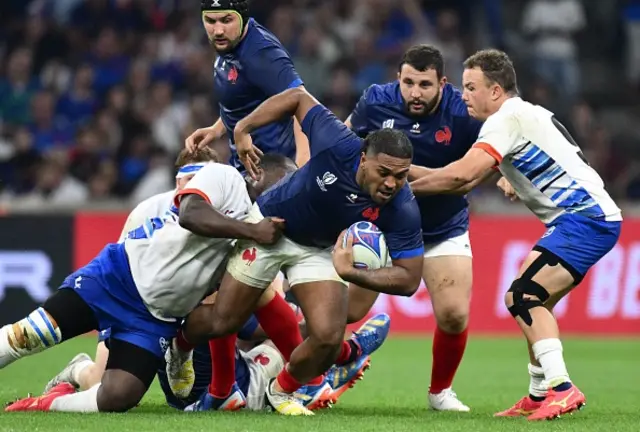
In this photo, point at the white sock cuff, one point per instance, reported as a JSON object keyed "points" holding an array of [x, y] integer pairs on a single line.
{"points": [[535, 371], [545, 346]]}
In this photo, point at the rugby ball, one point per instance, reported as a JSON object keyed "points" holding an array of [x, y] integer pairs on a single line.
{"points": [[369, 246]]}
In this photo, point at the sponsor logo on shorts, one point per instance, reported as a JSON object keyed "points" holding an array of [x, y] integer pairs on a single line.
{"points": [[549, 232], [164, 344]]}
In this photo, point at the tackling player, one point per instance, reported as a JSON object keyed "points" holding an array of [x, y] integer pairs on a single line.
{"points": [[345, 181], [253, 371], [432, 114], [141, 288], [549, 173], [81, 370], [252, 65]]}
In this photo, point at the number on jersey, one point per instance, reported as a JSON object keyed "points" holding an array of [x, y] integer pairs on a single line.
{"points": [[151, 225], [565, 133]]}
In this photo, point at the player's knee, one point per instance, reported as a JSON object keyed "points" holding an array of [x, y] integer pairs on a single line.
{"points": [[326, 337], [119, 397], [508, 298], [453, 318], [225, 324], [525, 294]]}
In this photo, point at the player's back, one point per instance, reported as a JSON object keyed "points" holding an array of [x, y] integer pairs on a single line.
{"points": [[545, 165], [173, 268], [152, 207], [258, 68], [438, 139]]}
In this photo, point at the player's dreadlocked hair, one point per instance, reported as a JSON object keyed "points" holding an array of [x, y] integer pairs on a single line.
{"points": [[391, 142], [241, 7]]}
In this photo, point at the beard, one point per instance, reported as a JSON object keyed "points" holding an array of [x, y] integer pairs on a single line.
{"points": [[228, 47], [427, 106]]}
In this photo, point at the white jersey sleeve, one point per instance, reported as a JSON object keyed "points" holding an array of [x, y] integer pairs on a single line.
{"points": [[499, 135]]}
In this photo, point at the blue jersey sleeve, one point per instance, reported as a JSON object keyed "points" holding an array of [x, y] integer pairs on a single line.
{"points": [[404, 233], [325, 131], [359, 119], [270, 68]]}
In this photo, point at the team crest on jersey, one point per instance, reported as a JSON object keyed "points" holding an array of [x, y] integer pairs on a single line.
{"points": [[388, 124], [232, 76], [249, 256], [371, 214], [443, 136]]}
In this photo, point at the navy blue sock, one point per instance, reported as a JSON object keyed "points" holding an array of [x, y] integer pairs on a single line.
{"points": [[562, 387], [536, 398]]}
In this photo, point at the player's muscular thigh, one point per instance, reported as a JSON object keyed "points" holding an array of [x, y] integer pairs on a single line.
{"points": [[449, 280]]}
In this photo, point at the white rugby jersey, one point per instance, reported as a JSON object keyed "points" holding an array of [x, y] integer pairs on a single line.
{"points": [[543, 164], [152, 207], [173, 268]]}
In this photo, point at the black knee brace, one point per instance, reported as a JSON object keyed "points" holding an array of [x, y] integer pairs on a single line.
{"points": [[524, 285]]}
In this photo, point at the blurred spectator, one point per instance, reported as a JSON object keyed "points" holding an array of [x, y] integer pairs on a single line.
{"points": [[308, 62], [54, 185], [97, 96], [48, 128], [552, 25], [632, 20], [78, 105], [17, 87]]}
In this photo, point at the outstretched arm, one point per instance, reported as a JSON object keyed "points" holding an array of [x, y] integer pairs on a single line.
{"points": [[458, 177]]}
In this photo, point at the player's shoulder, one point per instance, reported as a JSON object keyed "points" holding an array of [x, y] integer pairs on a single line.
{"points": [[259, 38], [160, 200], [221, 171], [510, 114], [383, 94], [404, 205], [452, 102]]}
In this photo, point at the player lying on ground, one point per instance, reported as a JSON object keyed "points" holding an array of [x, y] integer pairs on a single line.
{"points": [[549, 173], [253, 371], [87, 372], [345, 181], [432, 114], [142, 288], [251, 65]]}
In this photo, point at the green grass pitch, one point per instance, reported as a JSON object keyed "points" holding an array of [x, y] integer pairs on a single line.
{"points": [[392, 397]]}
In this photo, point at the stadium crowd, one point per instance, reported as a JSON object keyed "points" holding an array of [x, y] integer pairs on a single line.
{"points": [[97, 96]]}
